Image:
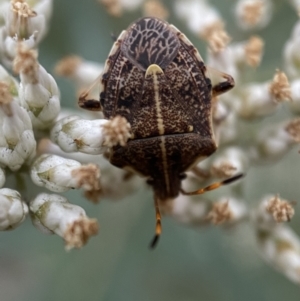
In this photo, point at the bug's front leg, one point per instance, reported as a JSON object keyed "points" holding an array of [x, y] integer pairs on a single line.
{"points": [[221, 87], [86, 100], [89, 104]]}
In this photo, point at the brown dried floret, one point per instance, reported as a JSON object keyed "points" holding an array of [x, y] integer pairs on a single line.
{"points": [[293, 129], [113, 7], [220, 213], [22, 9], [21, 13], [116, 131], [88, 178], [253, 12], [79, 231], [26, 62], [254, 49], [216, 36], [68, 65], [280, 87], [155, 8], [281, 210]]}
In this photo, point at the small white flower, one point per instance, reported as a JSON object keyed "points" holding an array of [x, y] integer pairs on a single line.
{"points": [[53, 172], [53, 213], [17, 142], [116, 7], [248, 52], [12, 209], [224, 61], [59, 174], [197, 14], [39, 93], [281, 210], [261, 99], [291, 53], [230, 162], [82, 72], [23, 23], [273, 142], [295, 95], [280, 247], [74, 134], [252, 14]]}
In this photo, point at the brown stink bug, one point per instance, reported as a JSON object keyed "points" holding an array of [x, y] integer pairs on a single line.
{"points": [[156, 79]]}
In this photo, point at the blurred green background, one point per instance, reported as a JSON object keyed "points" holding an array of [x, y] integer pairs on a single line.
{"points": [[208, 264]]}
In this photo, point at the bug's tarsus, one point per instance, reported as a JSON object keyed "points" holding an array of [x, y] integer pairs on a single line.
{"points": [[158, 229], [221, 87], [113, 36], [85, 102], [213, 186], [154, 241], [232, 179]]}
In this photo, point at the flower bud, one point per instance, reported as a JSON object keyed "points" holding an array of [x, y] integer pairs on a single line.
{"points": [[59, 174], [39, 93], [17, 142], [273, 142], [291, 53], [23, 23], [52, 213], [251, 14], [12, 209], [230, 162], [73, 134]]}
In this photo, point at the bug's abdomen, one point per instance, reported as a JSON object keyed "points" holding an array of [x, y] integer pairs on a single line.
{"points": [[163, 159]]}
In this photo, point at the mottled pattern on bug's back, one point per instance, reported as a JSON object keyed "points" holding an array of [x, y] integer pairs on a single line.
{"points": [[183, 99], [190, 86], [150, 41], [124, 87]]}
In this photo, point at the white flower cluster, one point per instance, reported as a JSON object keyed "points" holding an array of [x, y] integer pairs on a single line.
{"points": [[30, 117], [22, 23]]}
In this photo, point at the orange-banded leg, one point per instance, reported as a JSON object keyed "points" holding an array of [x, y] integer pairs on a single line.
{"points": [[213, 186], [157, 225]]}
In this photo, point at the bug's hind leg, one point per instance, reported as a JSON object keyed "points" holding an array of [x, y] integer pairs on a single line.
{"points": [[223, 86], [213, 186], [157, 225]]}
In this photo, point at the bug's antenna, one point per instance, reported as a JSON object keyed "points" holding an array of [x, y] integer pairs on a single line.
{"points": [[157, 225], [113, 36], [213, 186]]}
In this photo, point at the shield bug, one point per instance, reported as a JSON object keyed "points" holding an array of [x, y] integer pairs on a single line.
{"points": [[156, 79]]}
